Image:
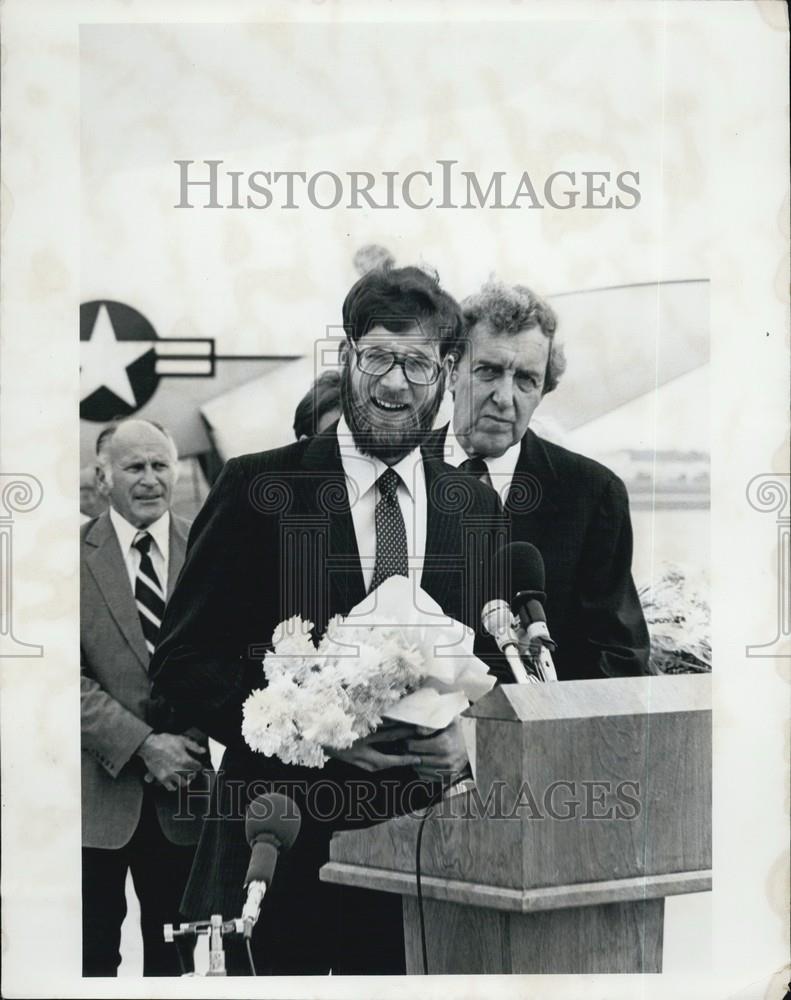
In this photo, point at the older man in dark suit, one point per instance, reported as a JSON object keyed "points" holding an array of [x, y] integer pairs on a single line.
{"points": [[308, 530], [574, 510], [133, 761]]}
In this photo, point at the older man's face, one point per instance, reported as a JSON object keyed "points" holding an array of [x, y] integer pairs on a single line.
{"points": [[139, 472], [392, 390], [496, 387]]}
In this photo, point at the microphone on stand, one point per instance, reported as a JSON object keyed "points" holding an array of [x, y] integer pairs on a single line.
{"points": [[527, 573], [271, 825], [496, 619]]}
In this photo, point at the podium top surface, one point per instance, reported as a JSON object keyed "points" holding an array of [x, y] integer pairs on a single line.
{"points": [[601, 697]]}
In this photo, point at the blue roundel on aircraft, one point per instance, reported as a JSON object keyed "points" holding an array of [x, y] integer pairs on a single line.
{"points": [[117, 360]]}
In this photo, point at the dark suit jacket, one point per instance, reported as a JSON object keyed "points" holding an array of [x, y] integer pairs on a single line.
{"points": [[276, 538], [576, 512], [117, 711]]}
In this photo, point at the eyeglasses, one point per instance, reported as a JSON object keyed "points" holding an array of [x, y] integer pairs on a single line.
{"points": [[379, 361]]}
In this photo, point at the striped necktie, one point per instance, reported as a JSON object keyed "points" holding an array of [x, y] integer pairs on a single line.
{"points": [[391, 551], [149, 595]]}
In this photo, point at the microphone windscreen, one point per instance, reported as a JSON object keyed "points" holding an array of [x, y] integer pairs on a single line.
{"points": [[522, 563], [273, 818], [271, 825], [263, 860]]}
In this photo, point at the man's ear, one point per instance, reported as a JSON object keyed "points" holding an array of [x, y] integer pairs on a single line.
{"points": [[343, 351], [102, 484], [452, 373]]}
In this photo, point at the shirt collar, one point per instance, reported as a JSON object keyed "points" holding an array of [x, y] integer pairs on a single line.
{"points": [[365, 470], [505, 465], [501, 469], [126, 532]]}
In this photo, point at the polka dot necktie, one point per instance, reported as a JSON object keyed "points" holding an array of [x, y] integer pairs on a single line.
{"points": [[391, 550], [149, 595]]}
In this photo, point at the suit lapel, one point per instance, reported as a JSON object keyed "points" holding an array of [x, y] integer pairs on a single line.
{"points": [[442, 533], [434, 445], [178, 547], [106, 564], [328, 494], [532, 488]]}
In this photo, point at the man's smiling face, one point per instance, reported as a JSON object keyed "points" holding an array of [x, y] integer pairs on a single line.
{"points": [[137, 472], [390, 411]]}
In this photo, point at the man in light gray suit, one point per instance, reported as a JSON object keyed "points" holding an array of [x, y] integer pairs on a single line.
{"points": [[133, 760]]}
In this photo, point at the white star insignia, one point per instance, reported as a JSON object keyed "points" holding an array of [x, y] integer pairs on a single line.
{"points": [[104, 360]]}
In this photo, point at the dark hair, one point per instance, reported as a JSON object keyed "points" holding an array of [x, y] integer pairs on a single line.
{"points": [[510, 309], [324, 395], [398, 299]]}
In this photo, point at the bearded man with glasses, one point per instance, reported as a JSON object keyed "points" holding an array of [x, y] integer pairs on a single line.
{"points": [[309, 530]]}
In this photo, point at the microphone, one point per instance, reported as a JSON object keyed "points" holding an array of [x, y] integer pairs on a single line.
{"points": [[271, 825], [496, 619], [527, 569]]}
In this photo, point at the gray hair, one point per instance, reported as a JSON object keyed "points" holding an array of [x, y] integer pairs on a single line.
{"points": [[509, 309]]}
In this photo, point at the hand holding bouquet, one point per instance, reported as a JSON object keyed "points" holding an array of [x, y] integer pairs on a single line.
{"points": [[394, 656]]}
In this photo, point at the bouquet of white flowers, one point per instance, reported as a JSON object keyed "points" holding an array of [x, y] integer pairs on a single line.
{"points": [[395, 655], [679, 623]]}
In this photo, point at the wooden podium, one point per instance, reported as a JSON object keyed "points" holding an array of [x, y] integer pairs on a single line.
{"points": [[592, 804]]}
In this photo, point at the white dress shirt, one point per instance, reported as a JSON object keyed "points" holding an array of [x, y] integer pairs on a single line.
{"points": [[501, 470], [362, 472], [159, 551]]}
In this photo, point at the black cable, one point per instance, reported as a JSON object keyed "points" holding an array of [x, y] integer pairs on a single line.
{"points": [[418, 845], [446, 784], [250, 956]]}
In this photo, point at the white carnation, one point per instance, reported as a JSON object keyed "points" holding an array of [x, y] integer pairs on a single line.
{"points": [[329, 695]]}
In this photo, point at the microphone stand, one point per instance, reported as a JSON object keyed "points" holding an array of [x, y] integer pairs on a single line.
{"points": [[541, 661], [539, 651], [216, 929]]}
